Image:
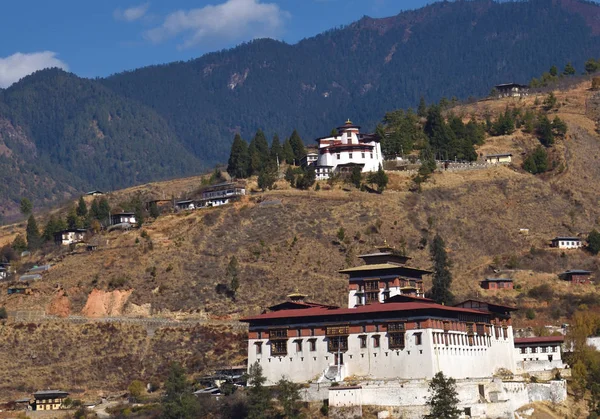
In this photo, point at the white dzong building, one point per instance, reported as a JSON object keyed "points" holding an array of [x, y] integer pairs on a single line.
{"points": [[350, 148]]}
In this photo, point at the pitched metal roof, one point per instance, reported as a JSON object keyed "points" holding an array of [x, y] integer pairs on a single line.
{"points": [[381, 266], [576, 271], [497, 280], [540, 339], [567, 238], [367, 309]]}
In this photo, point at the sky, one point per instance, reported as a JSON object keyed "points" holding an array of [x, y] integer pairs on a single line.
{"points": [[94, 38]]}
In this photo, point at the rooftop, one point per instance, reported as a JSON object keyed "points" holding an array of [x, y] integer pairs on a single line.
{"points": [[540, 339], [497, 280], [576, 271], [391, 307], [499, 155], [566, 238], [380, 266]]}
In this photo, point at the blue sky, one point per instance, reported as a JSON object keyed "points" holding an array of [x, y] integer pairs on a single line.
{"points": [[98, 38]]}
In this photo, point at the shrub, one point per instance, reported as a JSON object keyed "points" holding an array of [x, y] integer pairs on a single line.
{"points": [[541, 292], [530, 314], [3, 313]]}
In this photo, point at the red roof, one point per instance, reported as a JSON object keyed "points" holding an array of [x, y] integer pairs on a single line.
{"points": [[367, 309], [543, 339]]}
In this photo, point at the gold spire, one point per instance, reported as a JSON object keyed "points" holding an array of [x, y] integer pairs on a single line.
{"points": [[348, 122]]}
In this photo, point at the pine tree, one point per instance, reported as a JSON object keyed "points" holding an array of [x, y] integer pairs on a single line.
{"points": [[442, 278], [82, 209], [73, 221], [94, 209], [559, 127], [569, 70], [544, 131], [26, 206], [443, 400], [288, 152], [50, 229], [259, 152], [179, 402], [19, 244], [288, 394], [422, 108], [103, 211], [154, 210], [267, 177], [553, 71], [34, 240], [591, 66], [232, 273], [379, 178], [356, 176], [239, 159], [297, 146], [276, 152], [594, 242], [259, 399]]}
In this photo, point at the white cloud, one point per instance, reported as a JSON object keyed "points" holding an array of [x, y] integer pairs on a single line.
{"points": [[132, 13], [16, 66], [232, 20]]}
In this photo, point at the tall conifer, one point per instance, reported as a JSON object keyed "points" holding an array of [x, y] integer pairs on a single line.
{"points": [[239, 159]]}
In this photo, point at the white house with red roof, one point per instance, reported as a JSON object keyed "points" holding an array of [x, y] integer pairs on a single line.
{"points": [[346, 150], [539, 353]]}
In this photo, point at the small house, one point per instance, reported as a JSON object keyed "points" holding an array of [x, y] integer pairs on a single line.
{"points": [[503, 158], [496, 283], [323, 172], [221, 194], [511, 90], [576, 276], [566, 242], [3, 273], [49, 399], [185, 205], [69, 236], [539, 353], [122, 218], [309, 160]]}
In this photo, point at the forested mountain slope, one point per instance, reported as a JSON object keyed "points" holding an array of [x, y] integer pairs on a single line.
{"points": [[110, 133]]}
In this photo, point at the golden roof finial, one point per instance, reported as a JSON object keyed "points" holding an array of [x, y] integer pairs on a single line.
{"points": [[348, 122]]}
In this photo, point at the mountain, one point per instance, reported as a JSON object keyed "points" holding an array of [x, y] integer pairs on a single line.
{"points": [[112, 132]]}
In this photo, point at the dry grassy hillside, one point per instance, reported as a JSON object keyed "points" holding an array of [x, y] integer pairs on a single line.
{"points": [[286, 239]]}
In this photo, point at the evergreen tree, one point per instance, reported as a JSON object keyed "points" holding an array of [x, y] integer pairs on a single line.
{"points": [[356, 176], [232, 273], [553, 71], [19, 244], [73, 221], [290, 176], [569, 70], [267, 177], [307, 179], [26, 206], [238, 165], [591, 66], [334, 132], [550, 101], [179, 402], [259, 152], [138, 212], [288, 152], [537, 161], [276, 152], [34, 240], [297, 146], [559, 127], [288, 394], [259, 399], [94, 209], [154, 210], [594, 242], [50, 229], [422, 108], [544, 131], [104, 211], [441, 137], [443, 399], [82, 209], [442, 278], [379, 178]]}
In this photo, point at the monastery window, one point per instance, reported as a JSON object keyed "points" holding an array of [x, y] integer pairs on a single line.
{"points": [[258, 348], [363, 341], [337, 343], [350, 155], [480, 329], [278, 334], [371, 155], [362, 155], [298, 345], [278, 347], [395, 327], [396, 341], [418, 338], [372, 285], [338, 156], [312, 331], [259, 335], [523, 350], [372, 297], [312, 345], [544, 349], [299, 332], [534, 350], [555, 349], [376, 341]]}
